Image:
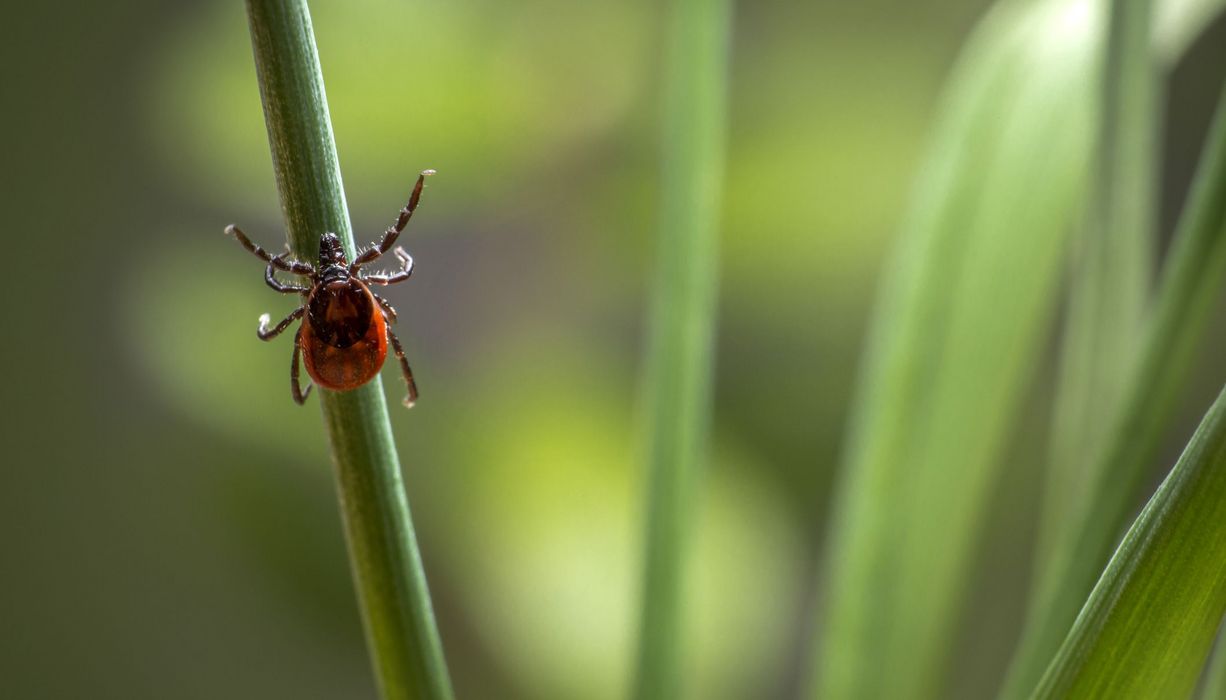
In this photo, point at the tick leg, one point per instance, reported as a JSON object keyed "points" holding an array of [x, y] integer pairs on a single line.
{"points": [[266, 334], [294, 266], [393, 231], [405, 271], [387, 306], [404, 368], [271, 280], [300, 396], [255, 250]]}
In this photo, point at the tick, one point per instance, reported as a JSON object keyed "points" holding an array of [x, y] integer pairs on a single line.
{"points": [[346, 327]]}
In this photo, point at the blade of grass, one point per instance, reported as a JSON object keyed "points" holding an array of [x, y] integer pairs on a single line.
{"points": [[1215, 673], [1151, 619], [680, 353], [391, 584], [1110, 281], [1179, 22], [964, 310], [1191, 281]]}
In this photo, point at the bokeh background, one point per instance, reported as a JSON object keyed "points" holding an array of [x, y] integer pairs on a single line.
{"points": [[168, 515]]}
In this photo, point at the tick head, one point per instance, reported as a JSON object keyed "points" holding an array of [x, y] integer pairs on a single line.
{"points": [[331, 252]]}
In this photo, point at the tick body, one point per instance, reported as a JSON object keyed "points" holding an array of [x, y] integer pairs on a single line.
{"points": [[346, 328], [344, 335]]}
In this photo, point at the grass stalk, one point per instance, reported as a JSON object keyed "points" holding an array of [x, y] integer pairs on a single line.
{"points": [[391, 584], [679, 359]]}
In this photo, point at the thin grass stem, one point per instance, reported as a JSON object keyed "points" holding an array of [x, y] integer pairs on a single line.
{"points": [[680, 353], [391, 584]]}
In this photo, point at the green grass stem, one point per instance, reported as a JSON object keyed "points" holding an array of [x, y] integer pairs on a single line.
{"points": [[391, 584], [680, 353]]}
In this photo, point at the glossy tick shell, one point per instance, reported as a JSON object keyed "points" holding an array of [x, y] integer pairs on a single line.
{"points": [[344, 335], [345, 331]]}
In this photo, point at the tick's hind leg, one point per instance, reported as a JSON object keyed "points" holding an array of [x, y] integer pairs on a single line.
{"points": [[393, 231], [388, 309], [404, 368], [300, 396]]}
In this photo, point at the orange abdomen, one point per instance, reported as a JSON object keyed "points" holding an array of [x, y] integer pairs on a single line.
{"points": [[343, 368]]}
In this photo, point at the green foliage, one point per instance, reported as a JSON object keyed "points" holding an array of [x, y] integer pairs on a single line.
{"points": [[1188, 287], [1150, 621], [1108, 297], [1109, 286], [137, 394], [965, 310], [1215, 675], [681, 354], [388, 575], [1179, 22]]}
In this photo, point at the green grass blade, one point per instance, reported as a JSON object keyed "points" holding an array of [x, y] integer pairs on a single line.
{"points": [[1179, 22], [1189, 285], [680, 352], [1151, 619], [1215, 674], [393, 597], [1109, 286], [966, 307]]}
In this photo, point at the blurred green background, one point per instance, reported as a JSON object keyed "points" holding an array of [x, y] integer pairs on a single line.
{"points": [[169, 516]]}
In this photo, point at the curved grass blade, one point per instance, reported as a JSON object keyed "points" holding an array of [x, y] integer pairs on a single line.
{"points": [[1151, 619], [1179, 22], [965, 309], [1109, 284], [1215, 673], [1188, 289]]}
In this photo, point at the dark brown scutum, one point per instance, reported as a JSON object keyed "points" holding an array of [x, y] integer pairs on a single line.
{"points": [[340, 312]]}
